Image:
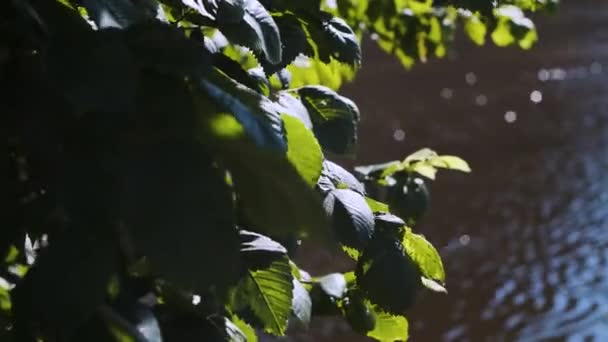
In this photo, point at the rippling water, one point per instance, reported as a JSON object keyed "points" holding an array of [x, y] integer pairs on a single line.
{"points": [[525, 237]]}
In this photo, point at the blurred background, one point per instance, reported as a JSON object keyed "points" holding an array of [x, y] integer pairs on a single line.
{"points": [[524, 238]]}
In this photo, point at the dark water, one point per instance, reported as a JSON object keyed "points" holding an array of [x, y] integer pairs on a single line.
{"points": [[525, 237]]}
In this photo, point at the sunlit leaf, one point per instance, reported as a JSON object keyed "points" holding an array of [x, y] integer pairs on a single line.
{"points": [[475, 29], [301, 304], [303, 150], [424, 255], [389, 328], [451, 163], [246, 329], [424, 169], [375, 206], [421, 155], [307, 71], [333, 284], [267, 286], [433, 285]]}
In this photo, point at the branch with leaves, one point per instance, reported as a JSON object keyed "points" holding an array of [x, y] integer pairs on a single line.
{"points": [[167, 157]]}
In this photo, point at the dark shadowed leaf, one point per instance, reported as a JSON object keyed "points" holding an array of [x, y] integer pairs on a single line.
{"points": [[255, 112], [166, 49], [290, 105], [352, 219], [89, 70], [286, 204], [235, 71], [387, 275], [334, 117], [257, 31], [179, 211], [293, 40], [359, 312], [115, 13], [343, 41], [388, 222], [230, 11], [341, 178], [86, 263]]}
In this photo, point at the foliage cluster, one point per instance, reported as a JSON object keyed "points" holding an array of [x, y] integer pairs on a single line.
{"points": [[166, 157]]}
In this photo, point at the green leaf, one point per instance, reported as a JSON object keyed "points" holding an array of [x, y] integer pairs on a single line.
{"points": [[307, 71], [5, 297], [257, 31], [375, 206], [352, 219], [389, 328], [246, 329], [335, 118], [287, 203], [303, 150], [424, 169], [301, 304], [513, 26], [450, 163], [475, 29], [233, 331], [424, 255], [266, 289], [424, 154]]}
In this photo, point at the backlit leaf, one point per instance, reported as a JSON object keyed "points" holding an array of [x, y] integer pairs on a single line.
{"points": [[389, 328], [303, 150], [424, 255]]}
